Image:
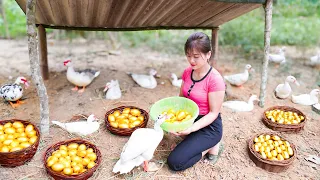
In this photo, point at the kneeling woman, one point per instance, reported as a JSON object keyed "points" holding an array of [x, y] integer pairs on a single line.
{"points": [[205, 86]]}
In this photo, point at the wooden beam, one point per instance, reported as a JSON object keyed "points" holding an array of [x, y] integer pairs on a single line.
{"points": [[242, 1], [127, 29], [43, 52], [214, 45], [267, 35]]}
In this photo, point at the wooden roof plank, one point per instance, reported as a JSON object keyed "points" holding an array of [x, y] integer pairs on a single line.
{"points": [[122, 12], [135, 14], [46, 11], [113, 14], [144, 11], [155, 8], [207, 11], [129, 12], [175, 11], [235, 13], [162, 13], [72, 12], [242, 1], [103, 12]]}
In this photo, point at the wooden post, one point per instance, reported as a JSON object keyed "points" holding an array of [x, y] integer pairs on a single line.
{"points": [[34, 66], [43, 52], [214, 45], [267, 35]]}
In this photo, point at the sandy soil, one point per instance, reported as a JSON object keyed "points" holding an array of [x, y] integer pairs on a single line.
{"points": [[238, 127]]}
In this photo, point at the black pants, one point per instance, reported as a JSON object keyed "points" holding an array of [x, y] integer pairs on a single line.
{"points": [[189, 151]]}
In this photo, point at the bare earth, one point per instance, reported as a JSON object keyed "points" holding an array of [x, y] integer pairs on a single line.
{"points": [[238, 127]]}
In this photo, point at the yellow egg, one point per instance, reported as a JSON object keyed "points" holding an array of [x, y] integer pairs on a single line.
{"points": [[85, 161], [267, 137], [276, 138], [285, 154], [133, 118], [187, 117], [73, 164], [89, 150], [290, 151], [56, 154], [286, 143], [9, 130], [31, 133], [25, 144], [66, 164], [5, 149], [76, 159], [63, 147], [125, 115], [67, 171], [33, 139], [1, 127], [72, 152], [135, 112], [276, 143], [111, 118], [141, 118], [256, 148], [274, 153], [7, 125], [256, 140], [265, 144], [63, 152], [83, 170], [181, 115], [76, 168], [7, 142], [17, 125], [1, 132], [82, 147], [50, 163], [10, 136], [126, 111], [267, 149], [116, 113], [269, 155], [15, 149], [68, 158], [92, 156], [123, 121], [22, 139], [73, 146], [82, 153], [23, 134], [280, 157], [29, 128], [262, 149], [263, 155], [278, 149], [259, 144], [58, 167], [14, 143], [114, 124], [135, 123], [3, 137], [91, 165], [123, 126], [52, 158]]}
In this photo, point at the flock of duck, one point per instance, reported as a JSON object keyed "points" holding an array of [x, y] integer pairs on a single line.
{"points": [[140, 147]]}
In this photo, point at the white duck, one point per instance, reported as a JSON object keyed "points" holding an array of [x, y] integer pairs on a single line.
{"points": [[283, 91], [113, 90], [13, 92], [82, 128], [80, 78], [145, 81], [239, 79], [175, 81], [307, 99], [315, 60], [241, 105], [140, 147], [278, 58]]}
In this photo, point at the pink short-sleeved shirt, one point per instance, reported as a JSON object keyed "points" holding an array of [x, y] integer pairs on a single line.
{"points": [[211, 82]]}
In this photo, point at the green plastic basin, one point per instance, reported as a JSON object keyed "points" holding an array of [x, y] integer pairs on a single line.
{"points": [[175, 103]]}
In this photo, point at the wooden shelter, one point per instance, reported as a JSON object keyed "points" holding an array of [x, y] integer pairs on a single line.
{"points": [[132, 15]]}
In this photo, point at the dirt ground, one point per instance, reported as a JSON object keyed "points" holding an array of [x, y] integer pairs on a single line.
{"points": [[238, 127]]}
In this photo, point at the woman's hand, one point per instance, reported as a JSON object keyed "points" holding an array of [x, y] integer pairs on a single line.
{"points": [[183, 133]]}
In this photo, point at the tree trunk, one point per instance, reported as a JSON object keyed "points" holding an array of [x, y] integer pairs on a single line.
{"points": [[3, 14], [35, 68], [267, 35]]}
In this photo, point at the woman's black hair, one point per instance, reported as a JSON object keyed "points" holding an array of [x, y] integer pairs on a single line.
{"points": [[199, 41]]}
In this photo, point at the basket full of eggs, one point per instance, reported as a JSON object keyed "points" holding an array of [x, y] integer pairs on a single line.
{"points": [[19, 141], [124, 120], [271, 152], [284, 118], [72, 159]]}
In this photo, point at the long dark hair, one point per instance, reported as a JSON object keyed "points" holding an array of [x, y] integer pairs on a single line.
{"points": [[199, 41]]}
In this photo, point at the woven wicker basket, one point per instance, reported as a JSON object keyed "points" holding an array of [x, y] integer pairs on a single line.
{"points": [[284, 127], [60, 176], [269, 165], [126, 131], [18, 158]]}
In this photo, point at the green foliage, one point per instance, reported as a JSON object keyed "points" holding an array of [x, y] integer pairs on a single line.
{"points": [[295, 22]]}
